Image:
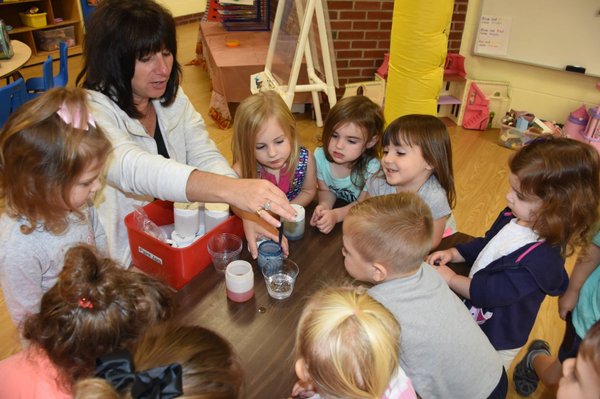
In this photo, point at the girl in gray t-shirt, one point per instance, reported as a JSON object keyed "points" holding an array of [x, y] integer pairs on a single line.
{"points": [[417, 157]]}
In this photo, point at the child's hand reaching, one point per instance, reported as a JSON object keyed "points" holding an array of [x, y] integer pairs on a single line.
{"points": [[324, 219], [316, 215], [441, 258]]}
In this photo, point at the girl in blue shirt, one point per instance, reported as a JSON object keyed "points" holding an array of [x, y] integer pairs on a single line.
{"points": [[347, 158]]}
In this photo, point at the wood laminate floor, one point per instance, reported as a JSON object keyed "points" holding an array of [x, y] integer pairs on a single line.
{"points": [[480, 169]]}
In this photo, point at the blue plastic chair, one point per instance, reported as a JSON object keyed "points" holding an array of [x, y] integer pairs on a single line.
{"points": [[12, 96], [60, 80], [37, 85]]}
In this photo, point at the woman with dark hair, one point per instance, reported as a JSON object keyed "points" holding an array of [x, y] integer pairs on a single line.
{"points": [[94, 308], [161, 145]]}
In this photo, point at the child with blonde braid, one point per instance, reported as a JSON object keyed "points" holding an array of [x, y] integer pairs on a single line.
{"points": [[347, 346], [51, 157]]}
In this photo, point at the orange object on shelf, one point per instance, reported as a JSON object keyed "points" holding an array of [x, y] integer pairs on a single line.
{"points": [[232, 43]]}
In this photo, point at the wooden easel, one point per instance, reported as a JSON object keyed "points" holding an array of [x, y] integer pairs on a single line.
{"points": [[266, 81]]}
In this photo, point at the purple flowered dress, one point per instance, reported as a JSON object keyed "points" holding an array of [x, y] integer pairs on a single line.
{"points": [[291, 187]]}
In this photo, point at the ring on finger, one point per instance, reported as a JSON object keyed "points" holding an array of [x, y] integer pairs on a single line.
{"points": [[267, 205], [259, 210]]}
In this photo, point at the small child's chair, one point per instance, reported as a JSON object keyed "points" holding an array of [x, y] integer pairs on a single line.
{"points": [[12, 96], [35, 86], [39, 84]]}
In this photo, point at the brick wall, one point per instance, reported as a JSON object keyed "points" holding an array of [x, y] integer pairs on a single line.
{"points": [[457, 26], [187, 19], [361, 34]]}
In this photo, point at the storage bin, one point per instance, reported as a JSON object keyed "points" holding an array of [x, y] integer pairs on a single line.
{"points": [[175, 266], [34, 20], [513, 138], [49, 40]]}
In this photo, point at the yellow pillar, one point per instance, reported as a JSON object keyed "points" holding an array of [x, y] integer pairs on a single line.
{"points": [[418, 47]]}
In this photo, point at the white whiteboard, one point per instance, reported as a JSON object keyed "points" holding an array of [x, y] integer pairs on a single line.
{"points": [[546, 33]]}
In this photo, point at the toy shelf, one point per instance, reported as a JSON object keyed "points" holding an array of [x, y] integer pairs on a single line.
{"points": [[68, 10]]}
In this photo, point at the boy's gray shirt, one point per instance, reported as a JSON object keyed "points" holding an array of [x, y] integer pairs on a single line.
{"points": [[442, 349]]}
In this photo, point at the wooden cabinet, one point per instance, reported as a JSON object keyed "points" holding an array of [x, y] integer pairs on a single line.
{"points": [[67, 10]]}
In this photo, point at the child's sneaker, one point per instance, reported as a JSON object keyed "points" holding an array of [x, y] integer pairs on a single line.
{"points": [[524, 376]]}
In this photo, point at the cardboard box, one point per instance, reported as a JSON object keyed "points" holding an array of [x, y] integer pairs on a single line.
{"points": [[175, 266]]}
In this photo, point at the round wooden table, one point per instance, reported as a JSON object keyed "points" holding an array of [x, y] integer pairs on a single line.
{"points": [[21, 56]]}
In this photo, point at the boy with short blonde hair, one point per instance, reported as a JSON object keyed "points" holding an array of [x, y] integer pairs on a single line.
{"points": [[443, 351], [406, 218]]}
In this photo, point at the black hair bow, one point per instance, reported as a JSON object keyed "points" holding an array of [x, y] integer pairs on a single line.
{"points": [[157, 383]]}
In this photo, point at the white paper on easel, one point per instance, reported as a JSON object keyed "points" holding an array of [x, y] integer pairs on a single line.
{"points": [[493, 35]]}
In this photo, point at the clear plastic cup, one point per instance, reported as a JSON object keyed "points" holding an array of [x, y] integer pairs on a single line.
{"points": [[224, 248], [280, 281]]}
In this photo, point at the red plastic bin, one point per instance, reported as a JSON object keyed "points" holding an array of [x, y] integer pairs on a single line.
{"points": [[175, 266]]}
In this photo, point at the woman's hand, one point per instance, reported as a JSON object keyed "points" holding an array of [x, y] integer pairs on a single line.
{"points": [[259, 196], [249, 195], [256, 230]]}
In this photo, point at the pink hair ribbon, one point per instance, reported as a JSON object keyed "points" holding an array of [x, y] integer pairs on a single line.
{"points": [[74, 118]]}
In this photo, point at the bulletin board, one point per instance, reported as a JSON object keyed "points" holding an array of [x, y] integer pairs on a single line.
{"points": [[557, 34]]}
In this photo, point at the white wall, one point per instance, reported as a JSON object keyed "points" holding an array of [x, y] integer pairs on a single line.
{"points": [[547, 93], [184, 7]]}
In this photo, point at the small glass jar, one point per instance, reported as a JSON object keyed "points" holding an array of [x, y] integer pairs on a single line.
{"points": [[270, 255]]}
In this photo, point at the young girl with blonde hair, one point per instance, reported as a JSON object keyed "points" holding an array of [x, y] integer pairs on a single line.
{"points": [[265, 145], [51, 157], [347, 346], [552, 208], [417, 157], [348, 157]]}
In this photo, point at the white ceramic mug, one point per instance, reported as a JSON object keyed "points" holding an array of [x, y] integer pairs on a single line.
{"points": [[239, 280]]}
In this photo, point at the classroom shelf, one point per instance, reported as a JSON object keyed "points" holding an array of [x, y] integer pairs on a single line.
{"points": [[68, 10]]}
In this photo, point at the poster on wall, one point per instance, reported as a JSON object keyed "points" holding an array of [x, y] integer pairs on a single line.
{"points": [[493, 35]]}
